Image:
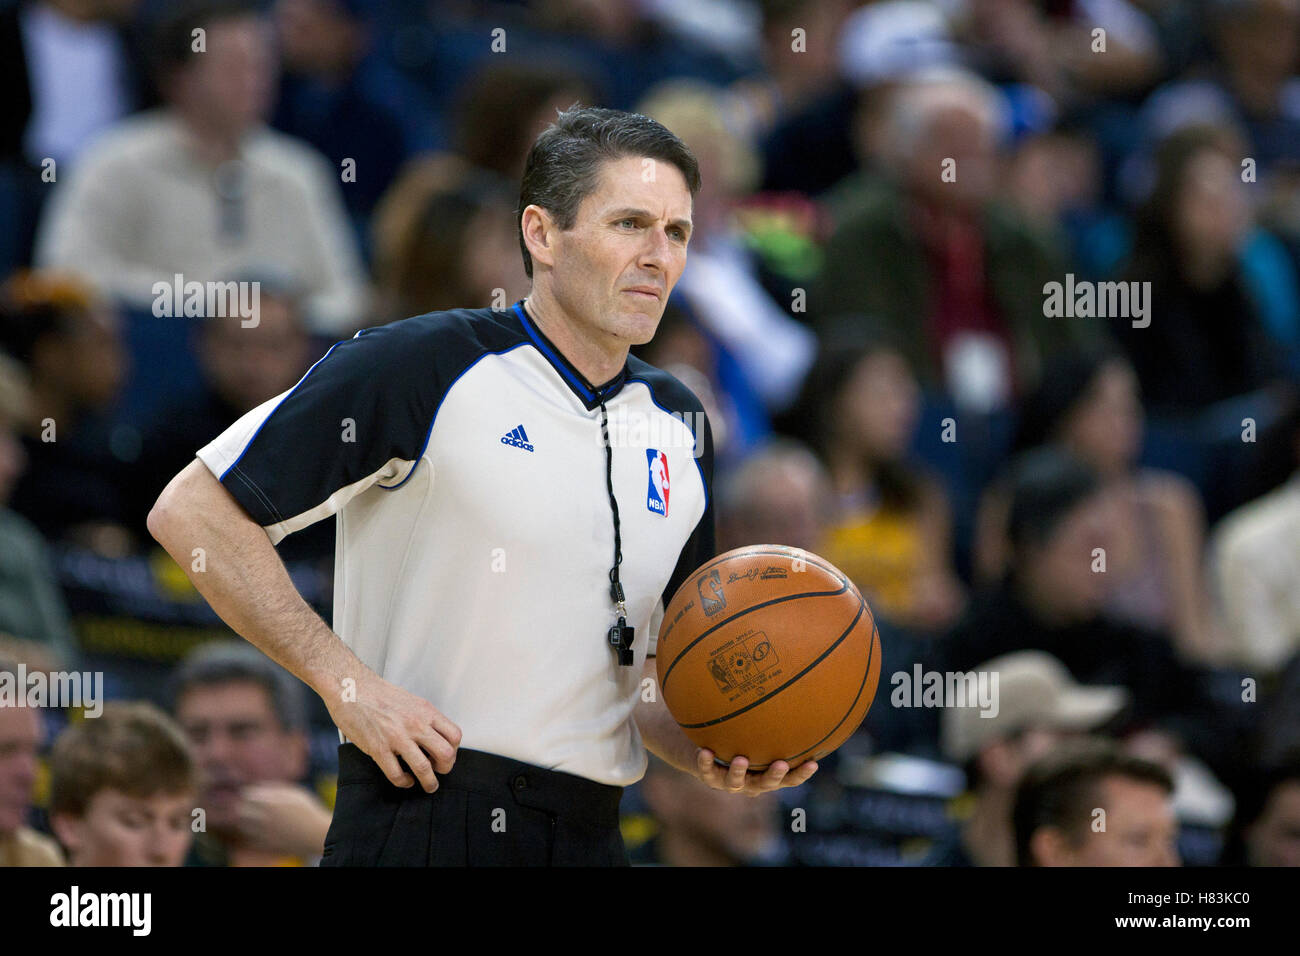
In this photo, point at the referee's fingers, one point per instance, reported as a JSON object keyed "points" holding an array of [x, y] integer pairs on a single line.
{"points": [[393, 770], [420, 766], [439, 748]]}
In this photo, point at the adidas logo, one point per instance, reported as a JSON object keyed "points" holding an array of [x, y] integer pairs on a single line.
{"points": [[517, 437]]}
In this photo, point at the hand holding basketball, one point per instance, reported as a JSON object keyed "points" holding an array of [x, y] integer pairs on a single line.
{"points": [[735, 778]]}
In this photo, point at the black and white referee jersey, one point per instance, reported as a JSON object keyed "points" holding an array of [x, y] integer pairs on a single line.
{"points": [[462, 457]]}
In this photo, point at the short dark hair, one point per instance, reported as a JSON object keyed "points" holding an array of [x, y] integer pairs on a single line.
{"points": [[172, 36], [235, 662], [1045, 485], [1061, 789], [564, 163]]}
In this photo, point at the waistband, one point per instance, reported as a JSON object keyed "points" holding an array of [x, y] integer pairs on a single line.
{"points": [[474, 770]]}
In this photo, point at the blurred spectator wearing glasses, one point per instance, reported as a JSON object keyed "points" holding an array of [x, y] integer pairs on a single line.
{"points": [[123, 788], [70, 343], [20, 740], [202, 187]]}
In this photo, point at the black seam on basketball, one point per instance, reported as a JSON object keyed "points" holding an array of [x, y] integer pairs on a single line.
{"points": [[789, 597], [871, 650], [862, 606]]}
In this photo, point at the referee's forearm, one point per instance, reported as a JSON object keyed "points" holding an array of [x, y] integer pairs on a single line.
{"points": [[242, 577]]}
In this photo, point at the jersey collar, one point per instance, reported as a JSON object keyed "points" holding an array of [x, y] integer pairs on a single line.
{"points": [[590, 395]]}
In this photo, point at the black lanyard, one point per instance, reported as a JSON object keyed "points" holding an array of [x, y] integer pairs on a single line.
{"points": [[621, 634]]}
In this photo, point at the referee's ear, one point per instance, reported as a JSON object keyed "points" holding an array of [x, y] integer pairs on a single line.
{"points": [[539, 230]]}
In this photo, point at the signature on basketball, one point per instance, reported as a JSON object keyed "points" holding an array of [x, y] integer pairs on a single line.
{"points": [[763, 574]]}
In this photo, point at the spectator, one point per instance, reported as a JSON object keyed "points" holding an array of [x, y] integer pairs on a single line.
{"points": [[70, 344], [955, 276], [1053, 47], [779, 495], [722, 289], [1248, 81], [1053, 594], [202, 188], [1039, 707], [20, 737], [246, 719], [122, 789], [31, 603], [1255, 569], [500, 111], [1189, 242], [891, 526], [1088, 403], [1266, 829], [339, 96], [241, 368], [1057, 818], [445, 237], [698, 826], [802, 113], [68, 70]]}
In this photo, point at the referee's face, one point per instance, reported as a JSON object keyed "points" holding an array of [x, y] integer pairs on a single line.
{"points": [[613, 270]]}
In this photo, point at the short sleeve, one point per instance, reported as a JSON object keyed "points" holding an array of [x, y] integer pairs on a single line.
{"points": [[360, 416]]}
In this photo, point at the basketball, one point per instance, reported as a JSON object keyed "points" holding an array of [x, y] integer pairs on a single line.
{"points": [[768, 652]]}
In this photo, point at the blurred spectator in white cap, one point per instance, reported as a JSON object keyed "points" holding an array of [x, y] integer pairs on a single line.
{"points": [[1038, 704], [202, 187]]}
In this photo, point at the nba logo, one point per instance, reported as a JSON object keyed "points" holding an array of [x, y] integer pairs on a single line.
{"points": [[657, 495]]}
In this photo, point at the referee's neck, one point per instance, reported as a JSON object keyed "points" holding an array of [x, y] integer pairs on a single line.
{"points": [[595, 353]]}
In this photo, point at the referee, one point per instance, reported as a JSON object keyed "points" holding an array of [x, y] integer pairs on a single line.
{"points": [[517, 498]]}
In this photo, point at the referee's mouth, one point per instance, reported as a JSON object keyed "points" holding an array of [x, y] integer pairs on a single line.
{"points": [[647, 291]]}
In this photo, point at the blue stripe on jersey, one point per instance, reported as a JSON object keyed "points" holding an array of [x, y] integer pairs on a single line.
{"points": [[287, 394], [587, 393]]}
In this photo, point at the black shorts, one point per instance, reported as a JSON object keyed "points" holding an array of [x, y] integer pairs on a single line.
{"points": [[489, 811]]}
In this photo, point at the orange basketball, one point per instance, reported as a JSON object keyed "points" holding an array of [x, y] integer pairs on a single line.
{"points": [[768, 652]]}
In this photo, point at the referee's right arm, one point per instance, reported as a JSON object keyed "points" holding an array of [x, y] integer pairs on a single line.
{"points": [[246, 583]]}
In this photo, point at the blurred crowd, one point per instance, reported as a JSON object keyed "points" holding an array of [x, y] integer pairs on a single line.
{"points": [[1093, 492]]}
